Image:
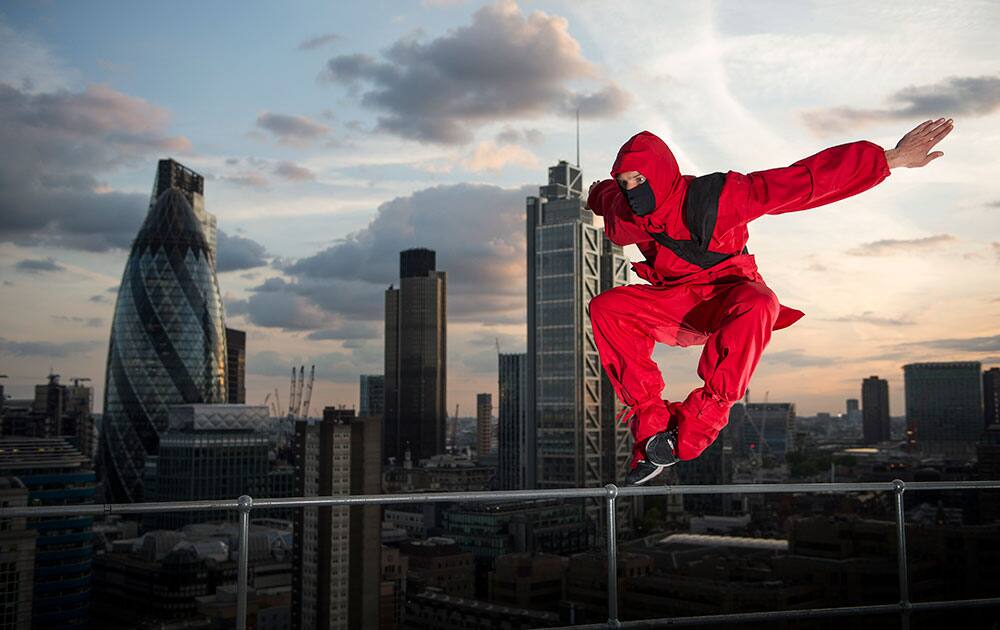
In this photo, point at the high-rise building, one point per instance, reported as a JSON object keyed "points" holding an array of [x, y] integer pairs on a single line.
{"points": [[516, 439], [17, 557], [320, 556], [236, 366], [366, 523], [991, 396], [55, 474], [944, 406], [211, 452], [569, 263], [372, 395], [875, 410], [415, 359], [484, 424], [168, 342], [336, 571], [768, 429]]}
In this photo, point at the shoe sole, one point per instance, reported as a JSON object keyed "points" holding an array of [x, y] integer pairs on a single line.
{"points": [[660, 451], [656, 471]]}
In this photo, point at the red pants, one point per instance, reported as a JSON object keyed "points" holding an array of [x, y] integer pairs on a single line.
{"points": [[732, 315]]}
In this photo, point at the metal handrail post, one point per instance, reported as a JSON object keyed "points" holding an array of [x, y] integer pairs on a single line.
{"points": [[245, 503], [899, 487], [612, 537]]}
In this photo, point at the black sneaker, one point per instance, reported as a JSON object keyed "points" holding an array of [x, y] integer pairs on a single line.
{"points": [[659, 454], [643, 472], [661, 448]]}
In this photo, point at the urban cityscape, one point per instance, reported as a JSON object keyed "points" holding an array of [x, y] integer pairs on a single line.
{"points": [[185, 407]]}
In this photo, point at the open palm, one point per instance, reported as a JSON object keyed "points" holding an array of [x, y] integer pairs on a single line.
{"points": [[913, 150]]}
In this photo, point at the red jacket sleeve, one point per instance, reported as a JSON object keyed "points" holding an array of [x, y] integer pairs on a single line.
{"points": [[830, 175], [607, 201]]}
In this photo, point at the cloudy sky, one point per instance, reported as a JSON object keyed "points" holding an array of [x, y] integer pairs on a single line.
{"points": [[334, 135]]}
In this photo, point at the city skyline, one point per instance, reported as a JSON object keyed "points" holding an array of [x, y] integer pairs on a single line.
{"points": [[321, 172]]}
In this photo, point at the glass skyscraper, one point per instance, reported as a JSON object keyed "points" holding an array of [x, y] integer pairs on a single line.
{"points": [[416, 351], [944, 406], [568, 406], [168, 342], [515, 439]]}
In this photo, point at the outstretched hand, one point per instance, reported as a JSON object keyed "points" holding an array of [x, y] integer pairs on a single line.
{"points": [[912, 150]]}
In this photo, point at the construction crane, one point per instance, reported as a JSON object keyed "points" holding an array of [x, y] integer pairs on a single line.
{"points": [[291, 396], [454, 428], [309, 391], [277, 403], [298, 391]]}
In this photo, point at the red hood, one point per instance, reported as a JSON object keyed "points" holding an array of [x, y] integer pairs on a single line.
{"points": [[646, 153]]}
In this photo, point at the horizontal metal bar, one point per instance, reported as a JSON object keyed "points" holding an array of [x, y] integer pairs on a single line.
{"points": [[780, 615], [484, 497]]}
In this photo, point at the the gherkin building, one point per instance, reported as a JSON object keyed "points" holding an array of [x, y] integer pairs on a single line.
{"points": [[168, 343]]}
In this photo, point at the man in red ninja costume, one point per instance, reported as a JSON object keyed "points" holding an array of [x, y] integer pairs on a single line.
{"points": [[704, 286]]}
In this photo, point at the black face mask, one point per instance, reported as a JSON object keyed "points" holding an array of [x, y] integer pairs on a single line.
{"points": [[641, 198]]}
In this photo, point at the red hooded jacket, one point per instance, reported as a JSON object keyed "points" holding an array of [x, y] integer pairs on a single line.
{"points": [[830, 175]]}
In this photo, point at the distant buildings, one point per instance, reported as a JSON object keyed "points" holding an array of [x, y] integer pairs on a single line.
{"points": [[768, 429], [516, 470], [372, 395], [56, 411], [17, 557], [168, 342], [55, 473], [415, 359], [484, 424], [569, 262], [875, 410], [853, 411], [944, 407], [236, 366], [991, 396], [211, 452]]}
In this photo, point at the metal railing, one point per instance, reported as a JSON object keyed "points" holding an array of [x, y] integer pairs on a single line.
{"points": [[610, 493]]}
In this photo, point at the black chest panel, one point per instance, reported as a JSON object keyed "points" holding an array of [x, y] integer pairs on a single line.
{"points": [[701, 210]]}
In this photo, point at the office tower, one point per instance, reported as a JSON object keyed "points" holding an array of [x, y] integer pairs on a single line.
{"points": [[853, 411], [366, 523], [17, 558], [766, 429], [577, 444], [944, 406], [516, 466], [875, 409], [56, 474], [415, 359], [484, 424], [336, 567], [372, 395], [236, 366], [211, 452], [991, 396], [614, 272], [320, 551], [168, 343]]}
